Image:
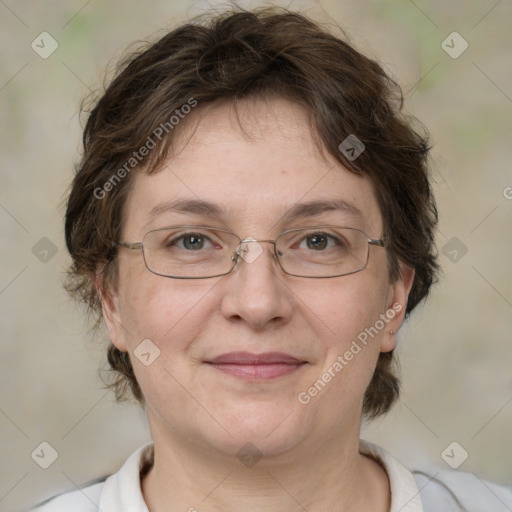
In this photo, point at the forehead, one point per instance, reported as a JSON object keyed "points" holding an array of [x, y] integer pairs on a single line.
{"points": [[255, 167]]}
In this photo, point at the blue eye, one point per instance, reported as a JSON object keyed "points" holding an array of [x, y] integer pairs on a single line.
{"points": [[190, 242]]}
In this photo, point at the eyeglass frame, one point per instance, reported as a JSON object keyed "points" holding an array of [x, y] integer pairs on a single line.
{"points": [[378, 242]]}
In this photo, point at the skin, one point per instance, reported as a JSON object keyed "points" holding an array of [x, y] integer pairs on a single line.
{"points": [[200, 417]]}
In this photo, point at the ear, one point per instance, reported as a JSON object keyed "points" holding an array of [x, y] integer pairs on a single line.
{"points": [[109, 297], [396, 306]]}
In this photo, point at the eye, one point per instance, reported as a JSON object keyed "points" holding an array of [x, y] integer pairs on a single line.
{"points": [[190, 242], [319, 241]]}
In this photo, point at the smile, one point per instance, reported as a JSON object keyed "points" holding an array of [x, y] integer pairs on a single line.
{"points": [[256, 366]]}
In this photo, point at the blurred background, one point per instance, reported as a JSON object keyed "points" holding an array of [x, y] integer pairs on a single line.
{"points": [[453, 62]]}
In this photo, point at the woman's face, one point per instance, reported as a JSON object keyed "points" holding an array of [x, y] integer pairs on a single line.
{"points": [[257, 309]]}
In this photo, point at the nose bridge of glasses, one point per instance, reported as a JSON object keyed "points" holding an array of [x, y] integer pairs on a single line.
{"points": [[249, 249]]}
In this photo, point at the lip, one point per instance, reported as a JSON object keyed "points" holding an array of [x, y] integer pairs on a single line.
{"points": [[248, 358], [256, 366]]}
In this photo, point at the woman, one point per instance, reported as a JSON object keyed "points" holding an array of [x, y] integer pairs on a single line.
{"points": [[252, 218]]}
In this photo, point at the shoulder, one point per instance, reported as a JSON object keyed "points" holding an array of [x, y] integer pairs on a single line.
{"points": [[119, 491], [85, 499], [437, 490], [461, 491]]}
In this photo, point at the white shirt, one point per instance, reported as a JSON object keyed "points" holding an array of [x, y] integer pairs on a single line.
{"points": [[442, 491]]}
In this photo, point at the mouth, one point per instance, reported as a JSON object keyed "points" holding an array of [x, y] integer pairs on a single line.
{"points": [[256, 366]]}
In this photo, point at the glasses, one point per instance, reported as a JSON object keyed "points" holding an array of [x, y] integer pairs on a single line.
{"points": [[201, 252]]}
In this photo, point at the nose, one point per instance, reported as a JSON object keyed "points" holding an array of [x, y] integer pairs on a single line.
{"points": [[255, 290]]}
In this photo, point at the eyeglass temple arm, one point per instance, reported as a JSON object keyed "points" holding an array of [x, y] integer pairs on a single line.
{"points": [[127, 245], [377, 241]]}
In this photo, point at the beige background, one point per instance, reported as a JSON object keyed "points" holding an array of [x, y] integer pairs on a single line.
{"points": [[455, 353]]}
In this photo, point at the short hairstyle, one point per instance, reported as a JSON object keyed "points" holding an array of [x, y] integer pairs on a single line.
{"points": [[258, 54]]}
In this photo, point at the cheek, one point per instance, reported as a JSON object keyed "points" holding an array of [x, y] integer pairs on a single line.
{"points": [[348, 314], [164, 318], [346, 317], [169, 312], [346, 307]]}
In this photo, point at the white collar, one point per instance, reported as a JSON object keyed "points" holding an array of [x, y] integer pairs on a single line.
{"points": [[122, 490], [405, 495]]}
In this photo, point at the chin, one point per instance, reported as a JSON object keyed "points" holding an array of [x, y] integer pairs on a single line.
{"points": [[270, 429]]}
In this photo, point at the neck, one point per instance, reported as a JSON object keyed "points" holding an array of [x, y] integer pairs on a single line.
{"points": [[333, 477]]}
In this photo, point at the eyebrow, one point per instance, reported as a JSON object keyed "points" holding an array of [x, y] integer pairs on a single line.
{"points": [[297, 211], [314, 208], [195, 206]]}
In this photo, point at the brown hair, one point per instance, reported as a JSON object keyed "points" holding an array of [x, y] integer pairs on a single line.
{"points": [[251, 54]]}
